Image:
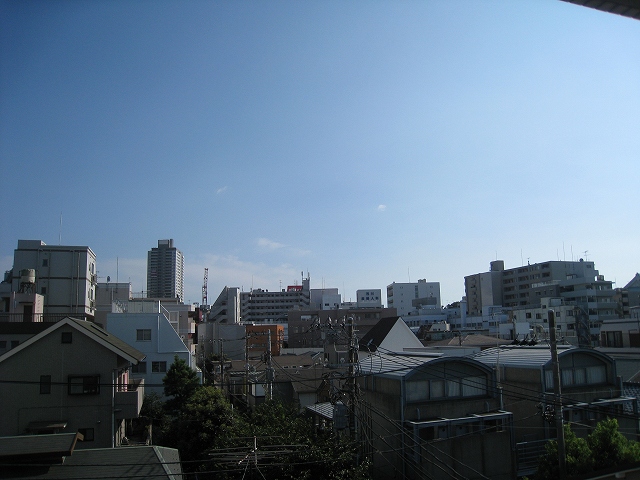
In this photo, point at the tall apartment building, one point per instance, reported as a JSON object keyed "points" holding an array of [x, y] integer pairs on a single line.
{"points": [[165, 271], [65, 276], [406, 298]]}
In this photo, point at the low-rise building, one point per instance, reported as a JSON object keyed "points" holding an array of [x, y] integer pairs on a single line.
{"points": [[73, 376], [590, 388], [426, 416], [149, 328]]}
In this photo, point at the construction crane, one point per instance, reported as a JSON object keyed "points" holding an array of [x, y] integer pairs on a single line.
{"points": [[205, 300]]}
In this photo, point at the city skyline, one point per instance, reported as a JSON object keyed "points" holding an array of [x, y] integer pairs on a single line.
{"points": [[363, 143]]}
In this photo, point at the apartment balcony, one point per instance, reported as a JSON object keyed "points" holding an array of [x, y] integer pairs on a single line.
{"points": [[128, 399]]}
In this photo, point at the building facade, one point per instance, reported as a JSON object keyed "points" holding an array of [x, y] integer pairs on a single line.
{"points": [[152, 330], [529, 290], [406, 298], [428, 416], [70, 377], [165, 271], [263, 306], [65, 276]]}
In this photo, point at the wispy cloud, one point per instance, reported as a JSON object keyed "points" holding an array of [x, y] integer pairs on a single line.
{"points": [[270, 244], [382, 208], [221, 190]]}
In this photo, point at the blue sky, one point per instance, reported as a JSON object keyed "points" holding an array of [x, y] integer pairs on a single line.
{"points": [[363, 142]]}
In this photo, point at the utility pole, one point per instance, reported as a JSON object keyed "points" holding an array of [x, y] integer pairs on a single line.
{"points": [[269, 393], [562, 462], [353, 354], [221, 365]]}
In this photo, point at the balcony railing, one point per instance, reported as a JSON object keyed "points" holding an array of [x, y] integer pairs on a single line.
{"points": [[40, 317], [129, 398]]}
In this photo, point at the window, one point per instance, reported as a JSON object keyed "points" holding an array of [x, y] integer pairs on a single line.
{"points": [[45, 262], [84, 385], [3, 344], [67, 337], [141, 367], [45, 384], [87, 433], [43, 290], [15, 343], [143, 335], [158, 367]]}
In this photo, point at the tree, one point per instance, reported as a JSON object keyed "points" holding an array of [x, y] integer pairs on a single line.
{"points": [[609, 446], [605, 447], [578, 457], [205, 422], [152, 421], [292, 448], [180, 383]]}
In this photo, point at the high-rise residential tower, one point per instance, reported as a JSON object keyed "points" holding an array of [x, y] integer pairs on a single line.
{"points": [[165, 271]]}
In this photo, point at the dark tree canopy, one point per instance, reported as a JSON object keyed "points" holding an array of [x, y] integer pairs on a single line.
{"points": [[605, 447], [180, 383]]}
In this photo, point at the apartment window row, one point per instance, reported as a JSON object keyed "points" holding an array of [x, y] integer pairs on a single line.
{"points": [[593, 375], [156, 367], [421, 390], [77, 384]]}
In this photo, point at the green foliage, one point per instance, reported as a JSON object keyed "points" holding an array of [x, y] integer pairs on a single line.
{"points": [[274, 441], [180, 382], [607, 444], [605, 447], [204, 423], [309, 454]]}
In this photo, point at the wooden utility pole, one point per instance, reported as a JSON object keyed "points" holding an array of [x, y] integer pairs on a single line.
{"points": [[557, 399]]}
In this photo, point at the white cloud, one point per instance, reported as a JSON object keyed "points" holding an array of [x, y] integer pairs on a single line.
{"points": [[382, 208], [270, 244], [221, 190]]}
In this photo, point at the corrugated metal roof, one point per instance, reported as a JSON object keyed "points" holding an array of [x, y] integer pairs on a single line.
{"points": [[395, 365], [324, 409], [518, 356]]}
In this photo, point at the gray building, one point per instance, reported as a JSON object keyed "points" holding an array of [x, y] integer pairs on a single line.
{"points": [[165, 271], [64, 275], [264, 306], [431, 416], [72, 376], [526, 289]]}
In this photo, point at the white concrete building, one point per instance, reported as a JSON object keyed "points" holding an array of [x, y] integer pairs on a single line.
{"points": [[369, 298], [148, 327], [407, 297]]}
